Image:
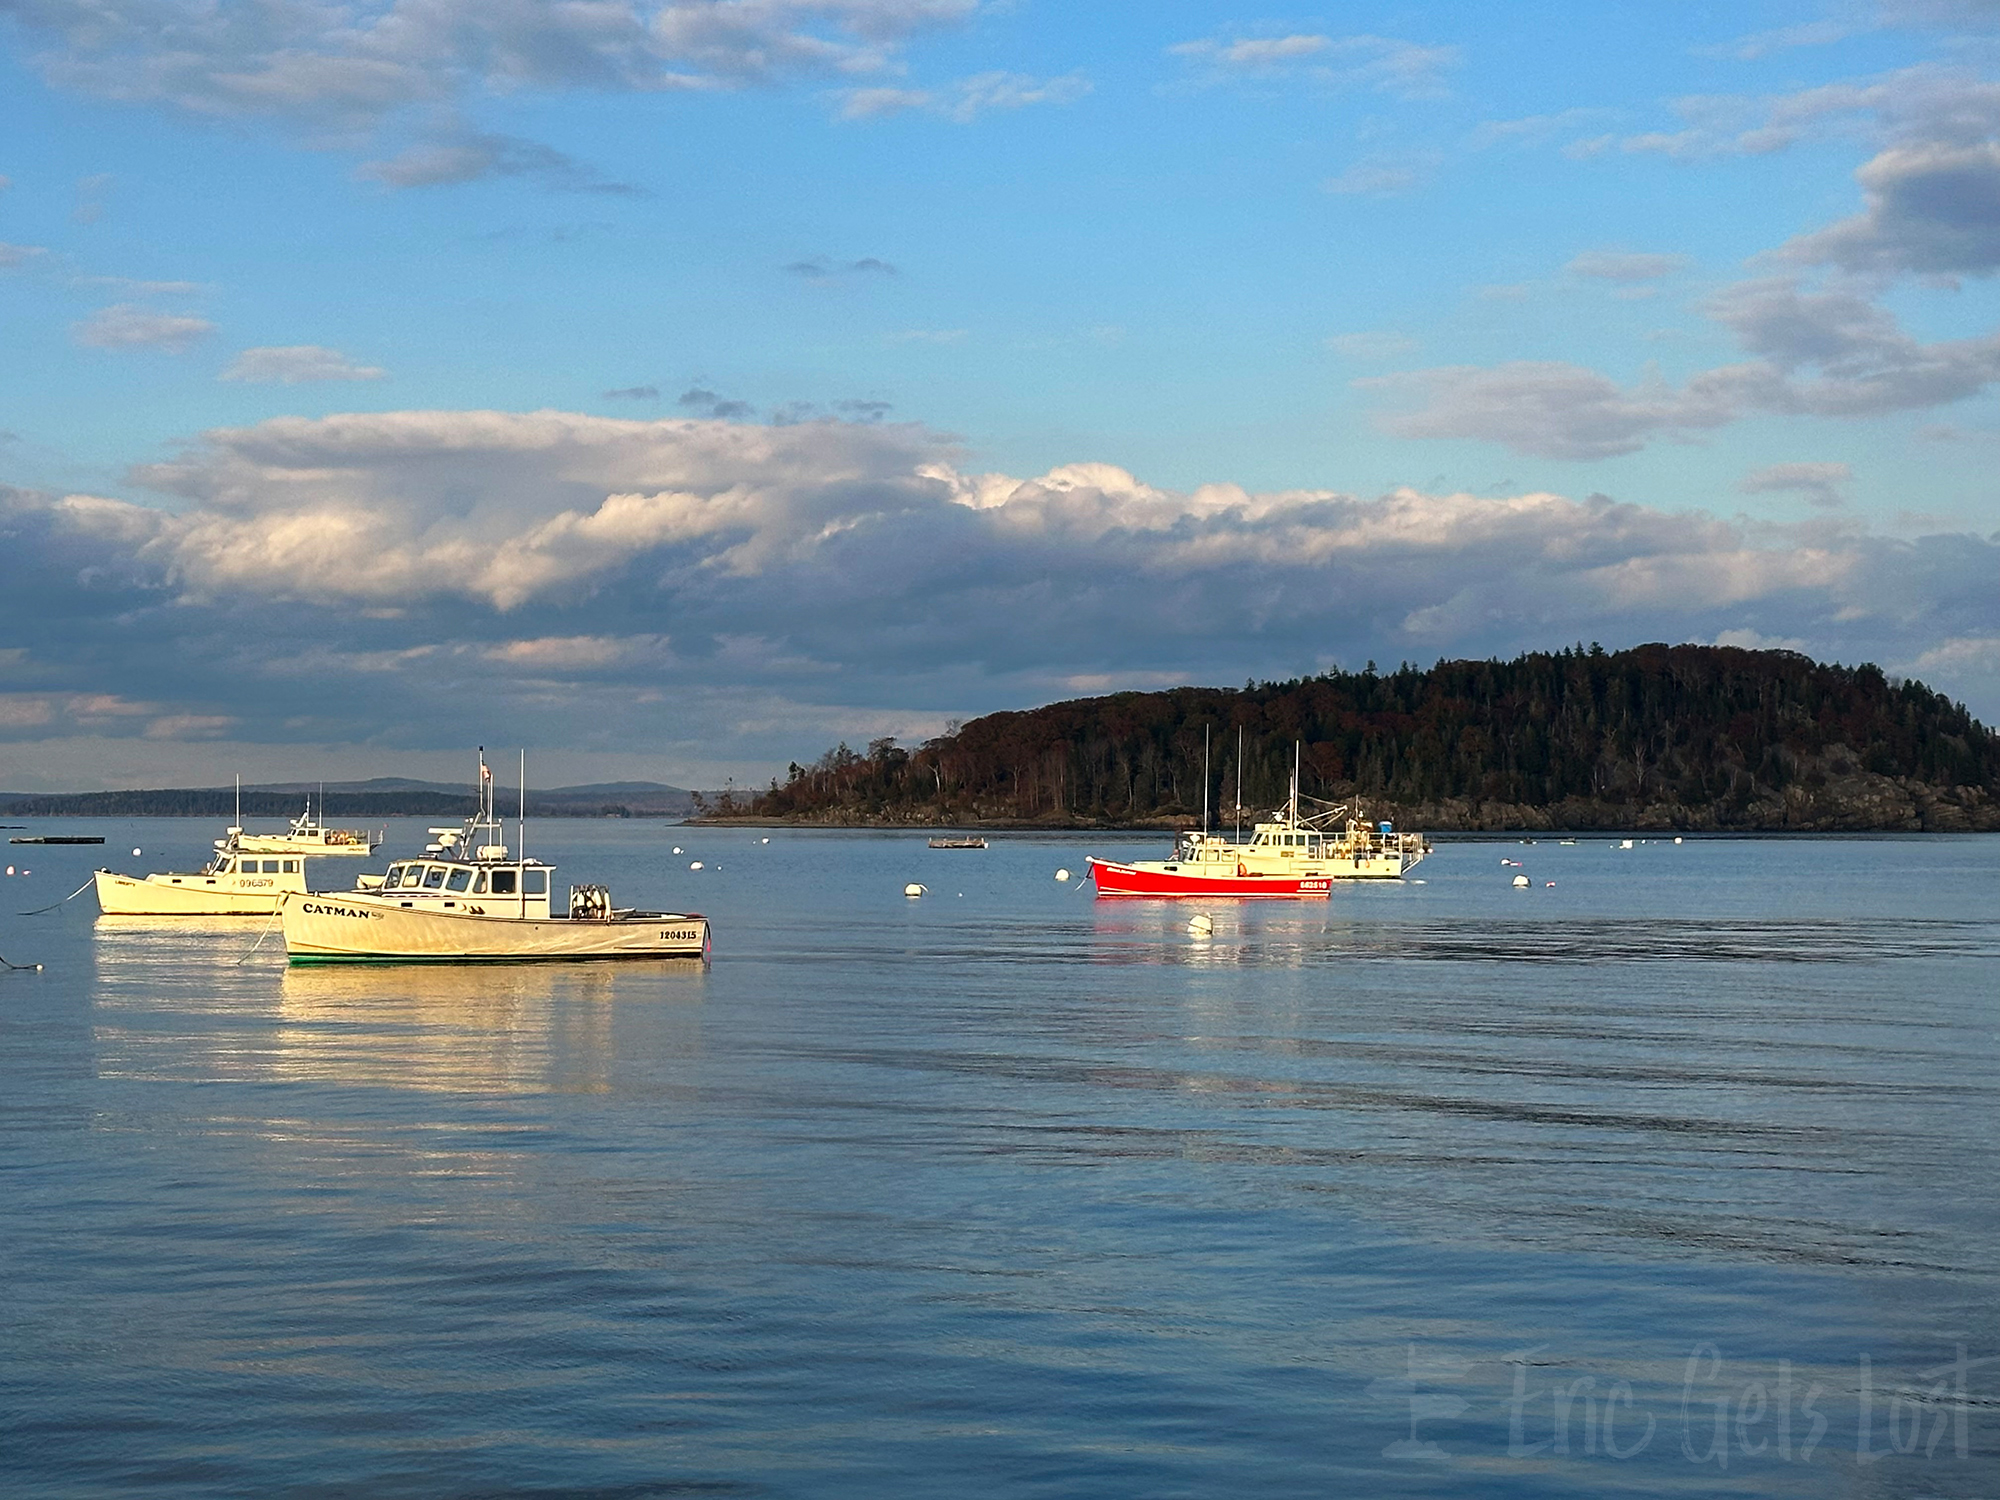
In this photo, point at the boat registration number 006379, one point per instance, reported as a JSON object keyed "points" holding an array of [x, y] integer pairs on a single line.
{"points": [[680, 934]]}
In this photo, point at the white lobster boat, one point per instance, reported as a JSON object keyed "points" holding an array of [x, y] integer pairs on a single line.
{"points": [[467, 899], [306, 836], [233, 885]]}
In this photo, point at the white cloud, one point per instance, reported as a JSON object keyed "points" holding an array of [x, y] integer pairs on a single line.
{"points": [[338, 74], [1383, 176], [125, 325], [1389, 65], [1817, 353], [1821, 483], [468, 156], [1379, 344], [563, 653], [596, 583], [967, 99], [297, 364], [18, 255], [1932, 209], [1626, 266]]}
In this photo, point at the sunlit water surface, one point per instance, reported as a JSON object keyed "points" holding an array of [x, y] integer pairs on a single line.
{"points": [[1675, 1177]]}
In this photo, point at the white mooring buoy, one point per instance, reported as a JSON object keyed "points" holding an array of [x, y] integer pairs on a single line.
{"points": [[913, 890], [1522, 882], [695, 866], [677, 848], [1200, 925], [1062, 875]]}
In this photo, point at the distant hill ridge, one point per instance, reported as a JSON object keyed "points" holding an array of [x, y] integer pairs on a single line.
{"points": [[1658, 737], [381, 797]]}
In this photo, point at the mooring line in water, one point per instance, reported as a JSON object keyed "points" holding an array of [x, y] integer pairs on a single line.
{"points": [[54, 904], [27, 968], [276, 912]]}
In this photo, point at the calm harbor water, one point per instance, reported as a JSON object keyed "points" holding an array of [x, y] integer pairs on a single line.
{"points": [[1678, 1177]]}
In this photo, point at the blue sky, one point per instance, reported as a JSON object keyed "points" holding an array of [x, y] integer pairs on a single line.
{"points": [[676, 388]]}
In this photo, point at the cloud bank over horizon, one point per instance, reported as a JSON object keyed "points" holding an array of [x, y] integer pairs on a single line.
{"points": [[734, 593]]}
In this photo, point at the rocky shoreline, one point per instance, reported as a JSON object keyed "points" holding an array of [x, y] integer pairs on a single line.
{"points": [[1859, 802]]}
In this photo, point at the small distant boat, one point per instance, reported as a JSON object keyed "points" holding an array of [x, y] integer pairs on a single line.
{"points": [[974, 842], [233, 885], [307, 836], [469, 899], [57, 838]]}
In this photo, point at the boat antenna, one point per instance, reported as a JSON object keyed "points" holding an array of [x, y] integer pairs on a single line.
{"points": [[1204, 778], [1239, 783], [239, 801], [521, 821], [1296, 746]]}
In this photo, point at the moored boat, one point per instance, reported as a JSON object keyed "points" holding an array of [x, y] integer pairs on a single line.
{"points": [[306, 836], [1289, 855], [974, 842], [232, 885], [469, 898]]}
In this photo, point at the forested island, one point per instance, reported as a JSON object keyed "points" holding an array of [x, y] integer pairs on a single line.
{"points": [[1658, 737]]}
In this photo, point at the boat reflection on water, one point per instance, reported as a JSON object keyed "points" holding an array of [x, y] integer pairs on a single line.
{"points": [[194, 998], [527, 1028], [503, 1028]]}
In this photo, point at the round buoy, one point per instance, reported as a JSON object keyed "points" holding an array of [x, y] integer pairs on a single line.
{"points": [[135, 853], [695, 866], [913, 890], [1062, 875], [10, 869], [677, 848], [1677, 838], [1200, 925], [765, 841], [1522, 881]]}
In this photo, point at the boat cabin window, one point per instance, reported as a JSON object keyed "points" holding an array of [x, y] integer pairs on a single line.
{"points": [[393, 879], [291, 867], [479, 884], [433, 877], [225, 867], [534, 882], [460, 880], [503, 883]]}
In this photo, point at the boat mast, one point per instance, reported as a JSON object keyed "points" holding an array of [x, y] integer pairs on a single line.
{"points": [[1295, 783], [1239, 783], [521, 820], [1204, 779]]}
